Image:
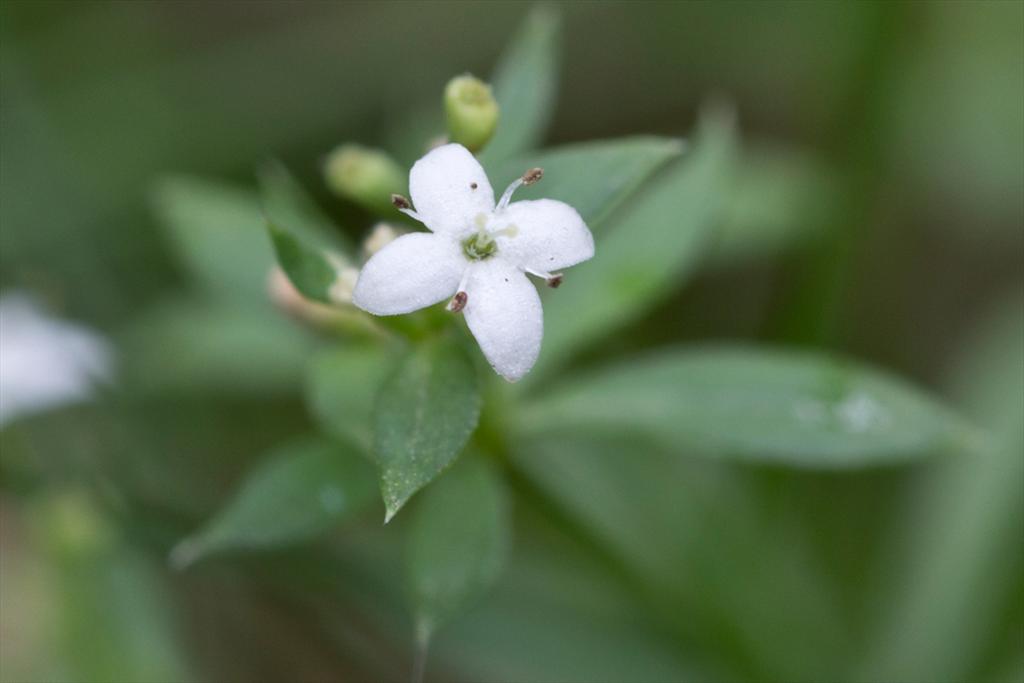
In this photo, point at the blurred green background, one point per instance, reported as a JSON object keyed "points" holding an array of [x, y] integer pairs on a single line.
{"points": [[879, 212]]}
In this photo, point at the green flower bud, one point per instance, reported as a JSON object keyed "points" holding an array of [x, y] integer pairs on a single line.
{"points": [[471, 110], [366, 176]]}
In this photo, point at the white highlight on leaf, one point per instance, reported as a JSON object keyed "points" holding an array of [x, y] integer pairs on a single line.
{"points": [[452, 196]]}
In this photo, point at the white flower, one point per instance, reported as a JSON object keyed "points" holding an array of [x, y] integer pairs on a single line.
{"points": [[45, 362], [477, 254]]}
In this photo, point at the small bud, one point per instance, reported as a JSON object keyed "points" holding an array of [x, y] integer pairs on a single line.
{"points": [[555, 280], [532, 176], [458, 302], [381, 236], [366, 176], [471, 110], [344, 284], [400, 202]]}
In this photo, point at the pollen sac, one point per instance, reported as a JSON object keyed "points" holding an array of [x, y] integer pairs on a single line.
{"points": [[458, 302]]}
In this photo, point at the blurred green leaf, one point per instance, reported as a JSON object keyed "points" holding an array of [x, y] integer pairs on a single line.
{"points": [[423, 418], [648, 248], [286, 203], [687, 532], [216, 230], [795, 408], [112, 616], [342, 384], [458, 542], [303, 489], [308, 269], [524, 83], [781, 198], [593, 177], [189, 346], [957, 555]]}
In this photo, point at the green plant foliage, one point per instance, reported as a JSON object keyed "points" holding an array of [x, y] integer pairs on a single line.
{"points": [[342, 384], [286, 203], [423, 418], [458, 542], [185, 345], [206, 221], [802, 409], [968, 514], [648, 247], [524, 85], [592, 177], [308, 269], [303, 489]]}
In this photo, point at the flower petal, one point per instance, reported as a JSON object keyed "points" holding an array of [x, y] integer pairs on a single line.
{"points": [[450, 189], [542, 235], [414, 271], [504, 314]]}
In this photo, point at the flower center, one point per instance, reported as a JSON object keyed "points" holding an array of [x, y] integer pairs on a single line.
{"points": [[479, 246]]}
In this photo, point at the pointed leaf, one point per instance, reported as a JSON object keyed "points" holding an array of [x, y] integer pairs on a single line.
{"points": [[524, 82], [424, 417], [308, 269], [647, 248], [458, 543], [303, 489], [184, 346], [797, 408], [341, 386], [286, 203], [592, 177]]}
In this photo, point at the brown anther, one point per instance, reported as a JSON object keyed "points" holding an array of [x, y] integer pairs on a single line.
{"points": [[458, 302], [400, 202], [532, 176], [555, 280]]}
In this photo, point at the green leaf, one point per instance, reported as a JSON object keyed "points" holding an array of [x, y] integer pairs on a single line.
{"points": [[424, 417], [183, 346], [216, 231], [524, 82], [342, 384], [593, 177], [302, 490], [781, 198], [647, 249], [287, 204], [458, 543], [955, 560], [795, 408], [308, 269]]}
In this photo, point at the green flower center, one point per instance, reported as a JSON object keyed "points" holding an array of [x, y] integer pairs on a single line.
{"points": [[479, 247]]}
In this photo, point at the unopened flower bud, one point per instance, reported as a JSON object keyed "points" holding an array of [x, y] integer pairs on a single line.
{"points": [[366, 176], [381, 236], [471, 110]]}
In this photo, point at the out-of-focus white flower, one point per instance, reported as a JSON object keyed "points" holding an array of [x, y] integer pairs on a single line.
{"points": [[45, 362], [477, 254]]}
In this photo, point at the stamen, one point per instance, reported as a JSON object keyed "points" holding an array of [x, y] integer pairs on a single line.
{"points": [[458, 302], [532, 176], [528, 178], [553, 280], [405, 206]]}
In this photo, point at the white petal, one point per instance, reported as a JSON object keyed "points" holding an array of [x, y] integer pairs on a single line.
{"points": [[443, 193], [416, 270], [504, 314], [542, 235]]}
